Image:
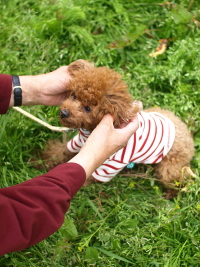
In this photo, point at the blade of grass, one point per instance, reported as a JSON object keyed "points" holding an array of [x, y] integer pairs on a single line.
{"points": [[111, 254]]}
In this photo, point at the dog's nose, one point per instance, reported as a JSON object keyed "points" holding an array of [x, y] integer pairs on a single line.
{"points": [[64, 113]]}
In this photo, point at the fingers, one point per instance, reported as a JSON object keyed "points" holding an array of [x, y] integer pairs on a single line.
{"points": [[128, 129]]}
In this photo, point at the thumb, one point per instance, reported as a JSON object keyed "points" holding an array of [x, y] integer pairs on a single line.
{"points": [[107, 119], [131, 127]]}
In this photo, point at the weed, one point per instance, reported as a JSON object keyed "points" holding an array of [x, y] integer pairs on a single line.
{"points": [[125, 222]]}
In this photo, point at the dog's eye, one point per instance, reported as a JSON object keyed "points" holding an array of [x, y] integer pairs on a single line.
{"points": [[74, 96], [87, 109]]}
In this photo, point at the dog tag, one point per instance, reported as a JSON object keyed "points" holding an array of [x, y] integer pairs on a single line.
{"points": [[130, 165]]}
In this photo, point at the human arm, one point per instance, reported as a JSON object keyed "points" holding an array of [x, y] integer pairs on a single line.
{"points": [[5, 92], [104, 141], [44, 89], [35, 209]]}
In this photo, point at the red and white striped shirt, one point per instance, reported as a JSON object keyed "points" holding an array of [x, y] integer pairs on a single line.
{"points": [[149, 144]]}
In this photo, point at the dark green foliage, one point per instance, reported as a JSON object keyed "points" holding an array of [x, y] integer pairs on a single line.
{"points": [[125, 222]]}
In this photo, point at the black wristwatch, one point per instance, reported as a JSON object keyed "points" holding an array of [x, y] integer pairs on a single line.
{"points": [[17, 89]]}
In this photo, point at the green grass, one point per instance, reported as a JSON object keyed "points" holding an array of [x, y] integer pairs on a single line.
{"points": [[125, 222]]}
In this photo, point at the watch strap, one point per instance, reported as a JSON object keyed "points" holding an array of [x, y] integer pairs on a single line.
{"points": [[17, 89]]}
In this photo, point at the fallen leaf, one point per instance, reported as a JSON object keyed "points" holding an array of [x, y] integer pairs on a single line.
{"points": [[160, 49]]}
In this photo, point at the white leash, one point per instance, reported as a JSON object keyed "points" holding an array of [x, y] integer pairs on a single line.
{"points": [[53, 128]]}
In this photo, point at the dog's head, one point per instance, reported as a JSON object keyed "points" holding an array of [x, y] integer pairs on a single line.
{"points": [[94, 92]]}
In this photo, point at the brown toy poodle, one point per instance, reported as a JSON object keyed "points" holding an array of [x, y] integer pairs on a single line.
{"points": [[162, 138]]}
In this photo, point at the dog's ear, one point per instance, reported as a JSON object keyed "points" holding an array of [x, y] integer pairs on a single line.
{"points": [[124, 111], [79, 65]]}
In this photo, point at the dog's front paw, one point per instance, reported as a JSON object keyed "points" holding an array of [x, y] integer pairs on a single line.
{"points": [[50, 157]]}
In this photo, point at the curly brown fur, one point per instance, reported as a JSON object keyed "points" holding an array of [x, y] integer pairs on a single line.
{"points": [[95, 92]]}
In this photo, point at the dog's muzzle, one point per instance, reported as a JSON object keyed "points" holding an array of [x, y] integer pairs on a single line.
{"points": [[64, 114]]}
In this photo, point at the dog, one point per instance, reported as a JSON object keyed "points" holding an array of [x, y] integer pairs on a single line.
{"points": [[162, 138]]}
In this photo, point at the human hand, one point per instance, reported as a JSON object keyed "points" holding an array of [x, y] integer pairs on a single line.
{"points": [[45, 89], [104, 141], [53, 86]]}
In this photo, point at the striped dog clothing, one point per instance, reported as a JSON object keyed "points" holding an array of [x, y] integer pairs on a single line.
{"points": [[149, 144]]}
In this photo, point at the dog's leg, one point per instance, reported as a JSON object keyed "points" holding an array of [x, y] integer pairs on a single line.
{"points": [[54, 154], [170, 172], [90, 180]]}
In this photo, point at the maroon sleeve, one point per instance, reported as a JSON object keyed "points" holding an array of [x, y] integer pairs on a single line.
{"points": [[34, 209], [5, 92]]}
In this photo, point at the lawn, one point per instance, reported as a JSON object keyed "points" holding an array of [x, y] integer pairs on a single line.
{"points": [[125, 222]]}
